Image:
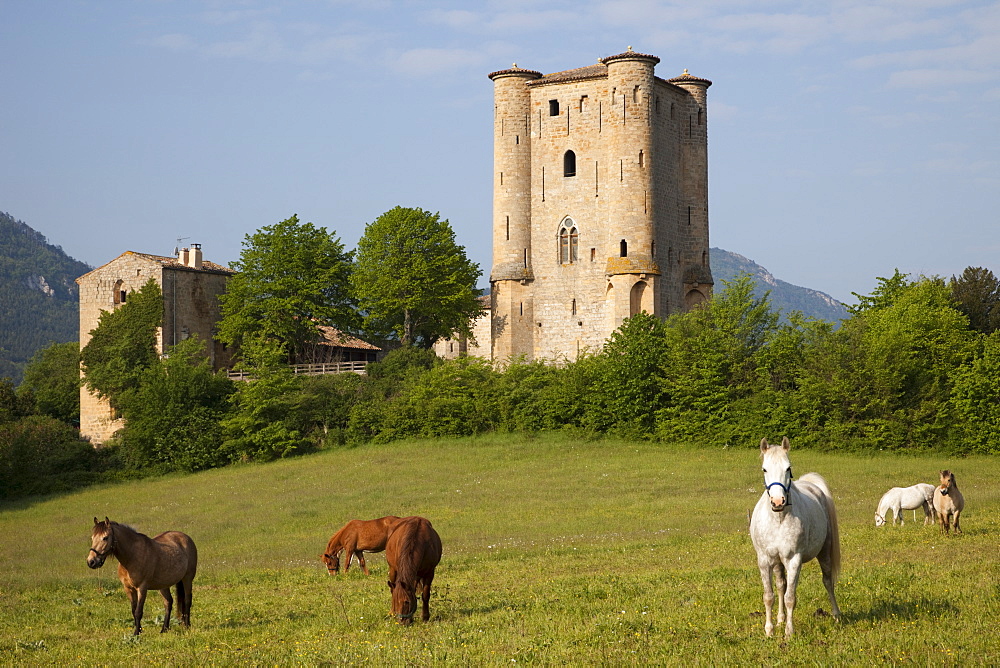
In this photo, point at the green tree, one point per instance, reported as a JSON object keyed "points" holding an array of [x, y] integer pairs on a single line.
{"points": [[887, 291], [39, 454], [630, 385], [53, 379], [263, 424], [977, 293], [172, 420], [413, 280], [123, 345], [713, 363], [291, 277], [885, 378], [976, 398], [12, 405]]}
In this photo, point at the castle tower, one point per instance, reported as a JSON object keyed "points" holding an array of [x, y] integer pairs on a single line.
{"points": [[600, 206], [511, 275], [631, 269], [695, 271]]}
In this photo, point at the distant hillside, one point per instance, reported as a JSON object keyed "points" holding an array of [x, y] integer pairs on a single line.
{"points": [[38, 295], [784, 296]]}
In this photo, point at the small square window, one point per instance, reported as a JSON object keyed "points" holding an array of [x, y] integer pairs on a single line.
{"points": [[553, 107]]}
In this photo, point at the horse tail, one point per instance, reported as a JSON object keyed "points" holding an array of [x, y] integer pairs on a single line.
{"points": [[833, 527]]}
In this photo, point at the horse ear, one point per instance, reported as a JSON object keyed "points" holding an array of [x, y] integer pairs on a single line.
{"points": [[785, 444], [764, 445], [96, 522], [107, 521]]}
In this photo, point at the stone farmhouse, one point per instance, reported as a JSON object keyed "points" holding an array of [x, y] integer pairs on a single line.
{"points": [[600, 204], [191, 287]]}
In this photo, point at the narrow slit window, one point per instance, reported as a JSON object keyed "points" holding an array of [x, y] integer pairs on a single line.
{"points": [[642, 160], [624, 248]]}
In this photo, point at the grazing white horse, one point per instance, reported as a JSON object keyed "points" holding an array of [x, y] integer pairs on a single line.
{"points": [[793, 523], [898, 499]]}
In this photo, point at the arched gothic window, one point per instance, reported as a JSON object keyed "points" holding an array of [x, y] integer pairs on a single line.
{"points": [[569, 242]]}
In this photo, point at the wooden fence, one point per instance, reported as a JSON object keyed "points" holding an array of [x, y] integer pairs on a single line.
{"points": [[312, 369]]}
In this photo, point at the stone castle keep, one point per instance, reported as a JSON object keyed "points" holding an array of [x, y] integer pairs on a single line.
{"points": [[600, 204]]}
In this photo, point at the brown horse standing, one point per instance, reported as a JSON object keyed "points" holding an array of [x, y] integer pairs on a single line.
{"points": [[146, 563], [948, 501], [413, 552], [355, 538]]}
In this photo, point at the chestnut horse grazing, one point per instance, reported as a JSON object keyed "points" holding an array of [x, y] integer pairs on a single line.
{"points": [[413, 552], [146, 563], [354, 539], [948, 501], [792, 524]]}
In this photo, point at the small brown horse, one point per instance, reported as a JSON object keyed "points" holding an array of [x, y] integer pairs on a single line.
{"points": [[948, 501], [413, 552], [354, 539], [146, 563]]}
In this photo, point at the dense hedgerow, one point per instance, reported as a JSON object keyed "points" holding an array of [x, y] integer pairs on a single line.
{"points": [[906, 371]]}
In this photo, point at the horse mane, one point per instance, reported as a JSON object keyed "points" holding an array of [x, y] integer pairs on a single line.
{"points": [[336, 541]]}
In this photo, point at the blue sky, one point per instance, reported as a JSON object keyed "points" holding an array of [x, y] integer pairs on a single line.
{"points": [[846, 138]]}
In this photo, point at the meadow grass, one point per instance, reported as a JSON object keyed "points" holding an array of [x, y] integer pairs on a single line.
{"points": [[557, 551]]}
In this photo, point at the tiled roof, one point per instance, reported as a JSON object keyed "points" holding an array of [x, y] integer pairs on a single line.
{"points": [[334, 337], [175, 263], [630, 54], [687, 78], [514, 70], [579, 74]]}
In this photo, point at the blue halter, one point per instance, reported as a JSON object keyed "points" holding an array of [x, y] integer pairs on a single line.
{"points": [[787, 489]]}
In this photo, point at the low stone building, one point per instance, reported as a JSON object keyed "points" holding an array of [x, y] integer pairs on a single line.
{"points": [[191, 287], [478, 345]]}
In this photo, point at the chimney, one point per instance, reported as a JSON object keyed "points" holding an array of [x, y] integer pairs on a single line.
{"points": [[191, 257]]}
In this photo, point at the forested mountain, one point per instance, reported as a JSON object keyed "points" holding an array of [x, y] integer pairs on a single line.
{"points": [[38, 295], [784, 296]]}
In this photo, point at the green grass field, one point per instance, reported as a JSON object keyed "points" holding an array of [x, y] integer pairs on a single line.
{"points": [[556, 551]]}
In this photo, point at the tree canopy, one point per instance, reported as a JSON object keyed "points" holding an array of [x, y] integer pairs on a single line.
{"points": [[53, 379], [413, 280], [291, 277]]}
